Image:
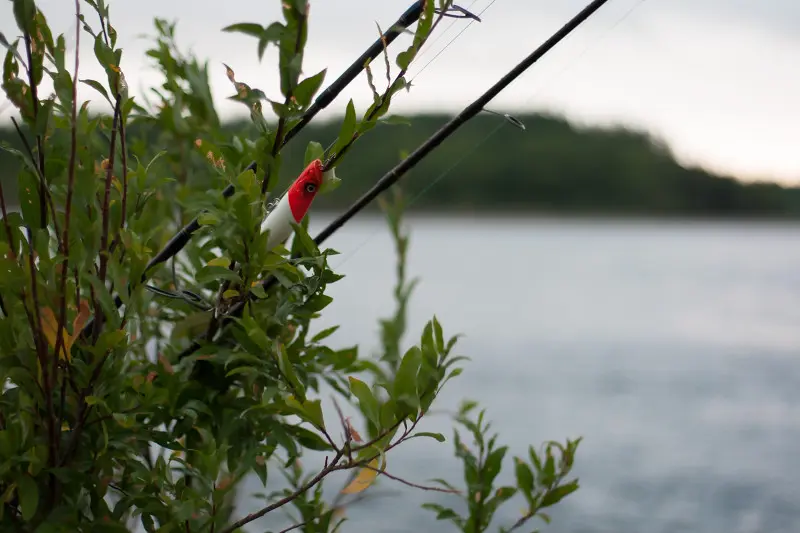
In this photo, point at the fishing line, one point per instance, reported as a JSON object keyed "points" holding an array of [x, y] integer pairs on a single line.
{"points": [[346, 257], [440, 52], [429, 145], [583, 52], [351, 253], [428, 46]]}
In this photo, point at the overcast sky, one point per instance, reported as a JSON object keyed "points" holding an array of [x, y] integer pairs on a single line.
{"points": [[717, 79]]}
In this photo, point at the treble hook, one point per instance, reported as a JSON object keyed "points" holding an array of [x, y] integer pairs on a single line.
{"points": [[457, 12]]}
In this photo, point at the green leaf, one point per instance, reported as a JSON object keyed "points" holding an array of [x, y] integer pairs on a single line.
{"points": [[325, 333], [348, 127], [308, 439], [318, 303], [272, 34], [314, 151], [438, 335], [314, 410], [211, 273], [97, 86], [287, 370], [366, 400], [29, 198], [28, 492], [396, 120], [404, 58], [405, 382], [494, 463], [525, 479], [554, 496], [442, 513], [248, 28], [307, 245], [306, 89], [438, 436], [24, 13]]}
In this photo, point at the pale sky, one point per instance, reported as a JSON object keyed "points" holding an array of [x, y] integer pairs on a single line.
{"points": [[717, 79]]}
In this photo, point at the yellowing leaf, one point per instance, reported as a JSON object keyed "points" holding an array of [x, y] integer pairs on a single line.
{"points": [[220, 261], [50, 328], [80, 320], [364, 479]]}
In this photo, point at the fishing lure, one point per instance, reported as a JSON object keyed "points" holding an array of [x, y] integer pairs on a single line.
{"points": [[294, 205]]}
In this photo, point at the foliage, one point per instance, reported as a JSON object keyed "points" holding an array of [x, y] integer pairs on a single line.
{"points": [[107, 422], [539, 479]]}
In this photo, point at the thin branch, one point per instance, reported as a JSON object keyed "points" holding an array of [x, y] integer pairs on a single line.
{"points": [[35, 99], [41, 177], [68, 205], [278, 143], [123, 141], [333, 466], [297, 526], [83, 411], [104, 253], [6, 225], [409, 483], [522, 520], [41, 348]]}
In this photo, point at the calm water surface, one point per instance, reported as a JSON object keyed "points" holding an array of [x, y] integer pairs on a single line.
{"points": [[672, 348]]}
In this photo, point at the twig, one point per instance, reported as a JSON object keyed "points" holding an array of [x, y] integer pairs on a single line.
{"points": [[278, 143], [297, 526], [41, 349], [522, 520], [333, 466], [35, 99], [68, 208], [9, 236], [106, 213], [6, 225], [83, 411], [40, 175], [410, 484], [123, 141]]}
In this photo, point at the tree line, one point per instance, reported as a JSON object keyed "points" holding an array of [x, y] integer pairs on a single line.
{"points": [[551, 167]]}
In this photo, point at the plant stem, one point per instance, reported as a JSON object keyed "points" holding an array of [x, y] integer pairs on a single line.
{"points": [[39, 146], [68, 204], [106, 213]]}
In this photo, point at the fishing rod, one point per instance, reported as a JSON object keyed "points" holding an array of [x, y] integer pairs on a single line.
{"points": [[409, 17], [430, 144]]}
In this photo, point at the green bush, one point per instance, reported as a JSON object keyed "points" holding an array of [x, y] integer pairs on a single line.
{"points": [[113, 420]]}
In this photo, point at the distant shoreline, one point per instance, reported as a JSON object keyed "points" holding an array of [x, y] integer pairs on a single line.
{"points": [[511, 214], [554, 216]]}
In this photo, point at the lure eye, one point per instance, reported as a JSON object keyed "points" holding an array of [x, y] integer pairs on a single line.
{"points": [[310, 187]]}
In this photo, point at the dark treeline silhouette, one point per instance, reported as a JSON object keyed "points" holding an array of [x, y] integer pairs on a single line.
{"points": [[551, 167]]}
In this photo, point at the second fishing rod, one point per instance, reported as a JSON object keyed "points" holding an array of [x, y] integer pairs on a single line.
{"points": [[469, 112]]}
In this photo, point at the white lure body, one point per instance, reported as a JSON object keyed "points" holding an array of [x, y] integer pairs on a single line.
{"points": [[279, 223]]}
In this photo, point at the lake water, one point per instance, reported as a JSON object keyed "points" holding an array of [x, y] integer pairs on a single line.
{"points": [[671, 347]]}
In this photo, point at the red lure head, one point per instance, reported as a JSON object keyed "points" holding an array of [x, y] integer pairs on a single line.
{"points": [[304, 189]]}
